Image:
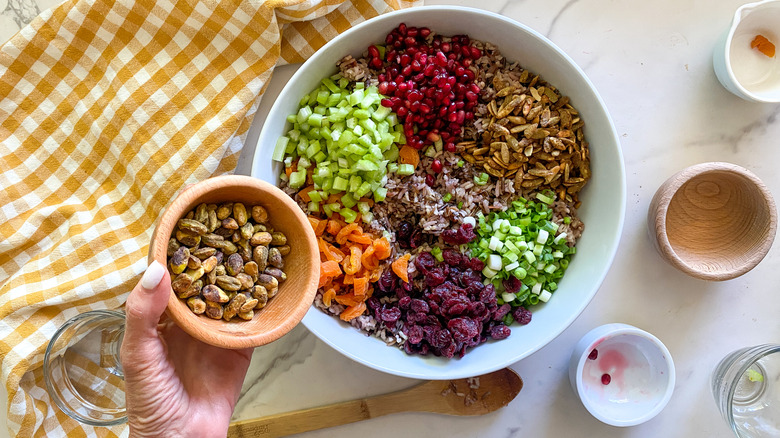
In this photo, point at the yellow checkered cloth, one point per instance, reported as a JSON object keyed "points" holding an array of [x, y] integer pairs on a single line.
{"points": [[108, 108]]}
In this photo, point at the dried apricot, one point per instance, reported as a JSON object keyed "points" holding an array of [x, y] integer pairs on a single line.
{"points": [[401, 267]]}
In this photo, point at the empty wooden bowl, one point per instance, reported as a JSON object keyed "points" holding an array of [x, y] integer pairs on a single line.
{"points": [[285, 310], [713, 221]]}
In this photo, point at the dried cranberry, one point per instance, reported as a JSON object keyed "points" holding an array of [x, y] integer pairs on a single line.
{"points": [[373, 303], [424, 262], [522, 315], [512, 284], [419, 306], [441, 338], [450, 237], [487, 296], [457, 309], [478, 310], [435, 277], [501, 312], [404, 231], [390, 315], [416, 239], [467, 232], [500, 331], [452, 257], [414, 334], [448, 350], [463, 329], [387, 281], [477, 264], [404, 302]]}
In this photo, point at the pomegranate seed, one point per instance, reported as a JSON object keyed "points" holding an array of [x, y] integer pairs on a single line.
{"points": [[593, 354], [475, 53], [430, 86], [376, 63], [430, 181], [441, 59], [605, 378], [436, 166]]}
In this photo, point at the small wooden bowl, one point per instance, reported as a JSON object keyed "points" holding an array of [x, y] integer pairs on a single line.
{"points": [[713, 221], [285, 310]]}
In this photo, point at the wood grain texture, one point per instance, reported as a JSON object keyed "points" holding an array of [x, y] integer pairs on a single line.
{"points": [[450, 397], [713, 221], [295, 296]]}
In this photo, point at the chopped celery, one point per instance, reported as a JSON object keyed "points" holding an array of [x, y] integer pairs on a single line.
{"points": [[281, 147]]}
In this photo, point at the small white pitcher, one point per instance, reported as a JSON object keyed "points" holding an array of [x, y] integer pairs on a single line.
{"points": [[745, 71]]}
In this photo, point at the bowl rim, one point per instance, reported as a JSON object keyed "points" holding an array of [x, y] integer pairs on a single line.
{"points": [[671, 186], [441, 373], [610, 331], [181, 314]]}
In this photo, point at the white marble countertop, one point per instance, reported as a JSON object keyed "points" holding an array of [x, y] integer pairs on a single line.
{"points": [[652, 64]]}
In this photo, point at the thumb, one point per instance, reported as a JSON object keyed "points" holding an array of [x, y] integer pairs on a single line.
{"points": [[146, 304]]}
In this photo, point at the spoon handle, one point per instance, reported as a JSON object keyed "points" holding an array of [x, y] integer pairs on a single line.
{"points": [[305, 420]]}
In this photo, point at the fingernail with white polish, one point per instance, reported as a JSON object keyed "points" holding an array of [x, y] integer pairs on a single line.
{"points": [[154, 273]]}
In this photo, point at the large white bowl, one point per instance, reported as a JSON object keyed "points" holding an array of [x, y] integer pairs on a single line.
{"points": [[603, 199]]}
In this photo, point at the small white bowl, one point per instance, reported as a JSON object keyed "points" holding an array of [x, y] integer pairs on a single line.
{"points": [[640, 369], [744, 71]]}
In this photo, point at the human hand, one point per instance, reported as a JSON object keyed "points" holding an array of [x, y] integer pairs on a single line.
{"points": [[175, 385]]}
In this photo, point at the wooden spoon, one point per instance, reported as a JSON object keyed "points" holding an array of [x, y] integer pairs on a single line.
{"points": [[475, 396]]}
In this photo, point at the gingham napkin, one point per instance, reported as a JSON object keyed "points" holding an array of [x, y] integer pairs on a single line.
{"points": [[107, 108]]}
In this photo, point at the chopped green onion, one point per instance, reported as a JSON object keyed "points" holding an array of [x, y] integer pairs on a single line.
{"points": [[436, 252]]}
